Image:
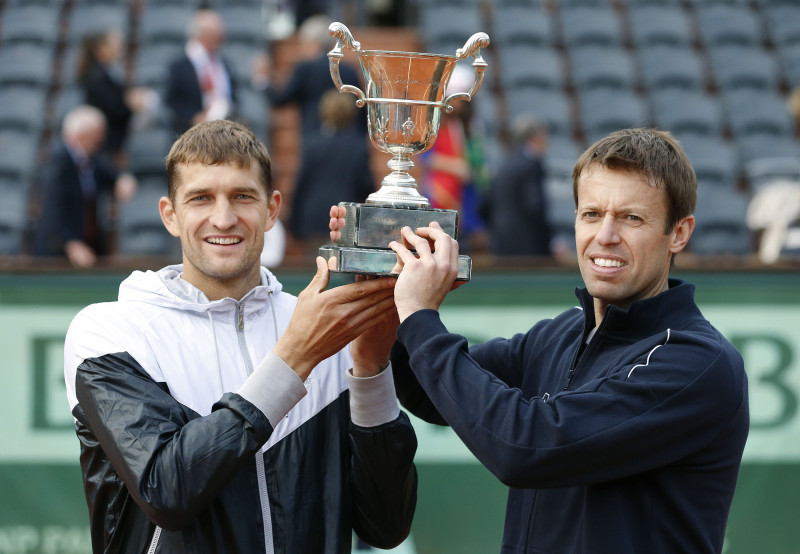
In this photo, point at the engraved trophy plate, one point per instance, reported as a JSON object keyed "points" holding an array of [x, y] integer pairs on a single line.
{"points": [[404, 96]]}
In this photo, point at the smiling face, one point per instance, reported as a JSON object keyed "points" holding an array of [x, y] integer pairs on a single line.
{"points": [[220, 213], [624, 252]]}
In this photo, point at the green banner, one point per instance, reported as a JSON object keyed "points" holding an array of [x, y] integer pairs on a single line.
{"points": [[461, 506]]}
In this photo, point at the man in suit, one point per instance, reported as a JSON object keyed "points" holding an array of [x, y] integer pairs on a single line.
{"points": [[200, 85], [75, 184]]}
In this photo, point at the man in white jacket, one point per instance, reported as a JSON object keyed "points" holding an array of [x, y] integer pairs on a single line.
{"points": [[217, 413]]}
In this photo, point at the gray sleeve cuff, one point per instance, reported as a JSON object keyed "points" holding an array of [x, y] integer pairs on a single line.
{"points": [[274, 388], [373, 400]]}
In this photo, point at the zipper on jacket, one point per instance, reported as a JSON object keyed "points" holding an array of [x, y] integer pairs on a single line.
{"points": [[580, 355], [261, 473], [154, 542]]}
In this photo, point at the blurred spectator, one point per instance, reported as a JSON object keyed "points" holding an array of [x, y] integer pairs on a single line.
{"points": [[274, 246], [794, 108], [516, 207], [774, 214], [310, 78], [334, 168], [454, 168], [199, 85], [103, 82], [76, 184]]}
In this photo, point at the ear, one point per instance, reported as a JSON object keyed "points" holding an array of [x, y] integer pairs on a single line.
{"points": [[274, 209], [681, 233], [168, 216]]}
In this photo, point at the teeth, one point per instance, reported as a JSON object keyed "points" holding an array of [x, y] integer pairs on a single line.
{"points": [[604, 262], [220, 240]]}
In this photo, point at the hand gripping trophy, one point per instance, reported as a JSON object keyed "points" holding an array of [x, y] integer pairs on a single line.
{"points": [[405, 96]]}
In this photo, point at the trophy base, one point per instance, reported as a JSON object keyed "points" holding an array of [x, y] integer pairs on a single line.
{"points": [[377, 261], [375, 225]]}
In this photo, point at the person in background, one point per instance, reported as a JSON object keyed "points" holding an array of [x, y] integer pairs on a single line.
{"points": [[334, 167], [102, 80], [218, 413], [516, 206], [618, 425], [199, 84], [453, 168], [75, 192], [310, 78]]}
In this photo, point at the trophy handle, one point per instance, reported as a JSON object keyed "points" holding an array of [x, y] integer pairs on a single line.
{"points": [[471, 48], [343, 38]]}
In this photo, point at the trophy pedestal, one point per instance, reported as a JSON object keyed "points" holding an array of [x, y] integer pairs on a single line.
{"points": [[369, 228]]}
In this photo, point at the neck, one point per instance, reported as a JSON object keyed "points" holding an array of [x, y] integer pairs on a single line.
{"points": [[217, 289]]}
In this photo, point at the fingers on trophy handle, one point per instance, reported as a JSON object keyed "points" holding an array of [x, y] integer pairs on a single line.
{"points": [[471, 48], [343, 38]]}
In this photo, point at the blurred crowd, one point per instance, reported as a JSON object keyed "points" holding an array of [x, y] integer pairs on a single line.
{"points": [[101, 170]]}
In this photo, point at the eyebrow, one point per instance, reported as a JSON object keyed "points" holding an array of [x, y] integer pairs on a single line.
{"points": [[194, 190]]}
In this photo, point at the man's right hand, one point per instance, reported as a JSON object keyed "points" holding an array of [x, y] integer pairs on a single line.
{"points": [[325, 321]]}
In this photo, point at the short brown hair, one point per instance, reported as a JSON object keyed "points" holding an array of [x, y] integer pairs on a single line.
{"points": [[217, 143], [656, 156]]}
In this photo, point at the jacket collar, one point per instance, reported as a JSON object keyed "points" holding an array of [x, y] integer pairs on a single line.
{"points": [[673, 308]]}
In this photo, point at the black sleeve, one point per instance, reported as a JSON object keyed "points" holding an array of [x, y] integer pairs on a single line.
{"points": [[384, 481], [154, 443]]}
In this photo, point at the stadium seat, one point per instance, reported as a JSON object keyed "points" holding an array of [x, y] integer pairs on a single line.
{"points": [[522, 25], [90, 17], [26, 64], [720, 224], [589, 26], [161, 23], [560, 157], [715, 160], [789, 59], [605, 110], [147, 151], [606, 67], [722, 24], [753, 111], [531, 66], [664, 66], [22, 107], [551, 107], [652, 25], [25, 22], [151, 64], [13, 217], [687, 111], [445, 28], [741, 66], [782, 22], [18, 151], [140, 229]]}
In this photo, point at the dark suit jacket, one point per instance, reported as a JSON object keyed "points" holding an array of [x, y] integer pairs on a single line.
{"points": [[517, 208], [183, 95], [108, 95], [308, 82], [334, 168], [63, 206]]}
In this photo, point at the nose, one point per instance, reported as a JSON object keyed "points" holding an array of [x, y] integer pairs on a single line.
{"points": [[223, 215], [607, 234]]}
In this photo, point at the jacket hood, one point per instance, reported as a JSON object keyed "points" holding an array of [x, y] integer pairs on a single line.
{"points": [[166, 288]]}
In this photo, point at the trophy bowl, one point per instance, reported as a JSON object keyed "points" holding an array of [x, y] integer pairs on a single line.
{"points": [[405, 93], [405, 96]]}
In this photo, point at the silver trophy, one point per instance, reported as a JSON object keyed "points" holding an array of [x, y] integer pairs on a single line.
{"points": [[405, 96]]}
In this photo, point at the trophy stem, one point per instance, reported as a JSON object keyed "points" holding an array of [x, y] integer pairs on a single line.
{"points": [[399, 188]]}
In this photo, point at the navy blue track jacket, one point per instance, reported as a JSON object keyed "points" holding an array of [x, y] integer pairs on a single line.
{"points": [[629, 445]]}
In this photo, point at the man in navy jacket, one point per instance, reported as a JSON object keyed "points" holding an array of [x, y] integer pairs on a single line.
{"points": [[618, 425]]}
